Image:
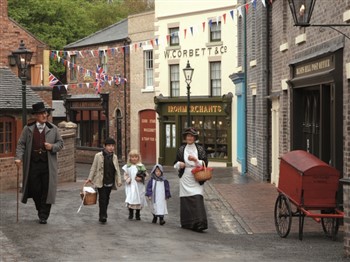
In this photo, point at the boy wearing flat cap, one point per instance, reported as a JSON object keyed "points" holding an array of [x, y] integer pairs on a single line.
{"points": [[37, 148], [105, 175]]}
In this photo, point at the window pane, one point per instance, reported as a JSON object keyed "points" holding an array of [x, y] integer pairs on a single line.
{"points": [[215, 78], [72, 69], [174, 36], [174, 80], [149, 67], [215, 31], [7, 134]]}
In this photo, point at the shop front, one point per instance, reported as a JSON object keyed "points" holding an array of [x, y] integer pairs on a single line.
{"points": [[317, 108], [90, 113], [211, 116]]}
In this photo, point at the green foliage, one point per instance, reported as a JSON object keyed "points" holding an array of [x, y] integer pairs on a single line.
{"points": [[60, 22]]}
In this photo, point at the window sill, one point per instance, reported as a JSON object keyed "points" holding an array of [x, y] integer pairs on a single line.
{"points": [[217, 43], [174, 47], [147, 90]]}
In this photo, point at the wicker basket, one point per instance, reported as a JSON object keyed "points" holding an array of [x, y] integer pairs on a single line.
{"points": [[87, 197], [204, 174]]}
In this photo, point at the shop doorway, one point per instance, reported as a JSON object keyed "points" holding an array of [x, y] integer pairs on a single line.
{"points": [[314, 125], [170, 143]]}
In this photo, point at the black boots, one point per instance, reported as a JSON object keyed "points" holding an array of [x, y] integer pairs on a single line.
{"points": [[161, 220], [131, 213], [138, 214], [154, 220]]}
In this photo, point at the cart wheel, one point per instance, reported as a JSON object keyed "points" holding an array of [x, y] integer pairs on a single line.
{"points": [[283, 215], [330, 225]]}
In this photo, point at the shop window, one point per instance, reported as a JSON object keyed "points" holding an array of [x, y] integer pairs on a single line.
{"points": [[148, 55], [215, 32], [213, 131], [7, 136], [215, 78], [73, 69], [91, 128], [174, 80], [174, 36]]}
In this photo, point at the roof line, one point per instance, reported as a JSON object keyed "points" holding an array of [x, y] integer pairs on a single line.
{"points": [[89, 36]]}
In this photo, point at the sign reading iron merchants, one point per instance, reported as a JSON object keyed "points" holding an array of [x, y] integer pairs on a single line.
{"points": [[195, 109]]}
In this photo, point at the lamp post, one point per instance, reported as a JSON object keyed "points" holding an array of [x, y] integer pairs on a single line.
{"points": [[188, 72], [23, 56], [302, 11]]}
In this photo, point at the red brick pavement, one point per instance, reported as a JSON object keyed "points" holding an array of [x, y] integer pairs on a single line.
{"points": [[254, 202]]}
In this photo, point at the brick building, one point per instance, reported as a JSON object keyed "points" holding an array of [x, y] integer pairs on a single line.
{"points": [[252, 76], [98, 99], [310, 89], [142, 114]]}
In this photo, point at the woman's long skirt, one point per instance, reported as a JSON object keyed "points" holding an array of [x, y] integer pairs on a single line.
{"points": [[192, 213]]}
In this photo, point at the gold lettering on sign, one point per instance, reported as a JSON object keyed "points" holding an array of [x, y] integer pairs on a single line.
{"points": [[196, 109], [313, 67]]}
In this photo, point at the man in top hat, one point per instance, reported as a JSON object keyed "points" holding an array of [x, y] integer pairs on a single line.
{"points": [[37, 148]]}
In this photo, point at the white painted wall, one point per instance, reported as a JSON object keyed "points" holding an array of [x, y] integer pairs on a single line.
{"points": [[190, 13]]}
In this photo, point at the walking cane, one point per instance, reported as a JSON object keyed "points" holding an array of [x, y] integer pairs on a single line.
{"points": [[17, 192]]}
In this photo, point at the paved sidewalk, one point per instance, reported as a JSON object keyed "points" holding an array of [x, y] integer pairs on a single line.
{"points": [[253, 203]]}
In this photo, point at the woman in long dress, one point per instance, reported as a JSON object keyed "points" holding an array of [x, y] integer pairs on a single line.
{"points": [[191, 155]]}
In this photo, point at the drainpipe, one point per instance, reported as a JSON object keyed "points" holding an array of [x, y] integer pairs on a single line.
{"points": [[244, 163], [126, 45], [268, 82]]}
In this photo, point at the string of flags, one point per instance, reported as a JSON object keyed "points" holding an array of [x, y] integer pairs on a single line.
{"points": [[101, 77], [194, 29]]}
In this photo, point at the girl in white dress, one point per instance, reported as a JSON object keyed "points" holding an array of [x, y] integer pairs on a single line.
{"points": [[158, 191], [134, 175]]}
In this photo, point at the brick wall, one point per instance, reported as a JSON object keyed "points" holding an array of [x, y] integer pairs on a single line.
{"points": [[45, 93], [116, 93], [257, 105], [140, 28], [11, 34]]}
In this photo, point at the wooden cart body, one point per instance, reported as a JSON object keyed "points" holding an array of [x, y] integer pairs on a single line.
{"points": [[308, 181], [309, 184]]}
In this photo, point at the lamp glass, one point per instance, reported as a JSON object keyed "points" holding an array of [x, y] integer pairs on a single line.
{"points": [[188, 72], [301, 11], [22, 56]]}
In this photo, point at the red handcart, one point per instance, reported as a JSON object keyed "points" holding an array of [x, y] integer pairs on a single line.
{"points": [[309, 184]]}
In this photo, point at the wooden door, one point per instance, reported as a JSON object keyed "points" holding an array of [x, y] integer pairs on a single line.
{"points": [[148, 136]]}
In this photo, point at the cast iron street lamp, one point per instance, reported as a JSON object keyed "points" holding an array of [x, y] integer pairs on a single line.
{"points": [[188, 72], [23, 57], [302, 12]]}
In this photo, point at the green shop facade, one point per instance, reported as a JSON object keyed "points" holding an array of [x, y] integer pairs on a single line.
{"points": [[211, 116]]}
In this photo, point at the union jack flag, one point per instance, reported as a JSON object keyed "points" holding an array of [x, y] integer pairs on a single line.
{"points": [[52, 79], [100, 78]]}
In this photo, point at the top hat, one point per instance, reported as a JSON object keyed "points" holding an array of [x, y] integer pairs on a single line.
{"points": [[109, 141], [39, 108], [192, 131]]}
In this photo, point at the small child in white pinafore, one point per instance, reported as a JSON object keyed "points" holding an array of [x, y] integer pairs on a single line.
{"points": [[158, 192], [135, 174]]}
